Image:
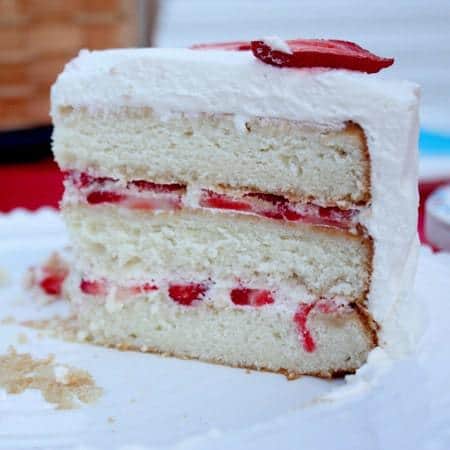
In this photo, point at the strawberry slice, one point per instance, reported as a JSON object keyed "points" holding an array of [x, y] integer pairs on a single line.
{"points": [[236, 46], [140, 289], [83, 179], [337, 214], [332, 54], [52, 284], [186, 294], [270, 198], [251, 297], [51, 276], [288, 213], [210, 199], [93, 287], [143, 185], [97, 197], [300, 319], [160, 202], [279, 207], [148, 287]]}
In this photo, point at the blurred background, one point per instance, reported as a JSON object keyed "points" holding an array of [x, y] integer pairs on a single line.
{"points": [[37, 37]]}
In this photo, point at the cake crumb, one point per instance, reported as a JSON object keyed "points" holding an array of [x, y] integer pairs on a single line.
{"points": [[81, 335], [292, 376], [22, 338], [8, 320], [111, 419], [56, 326], [62, 385], [46, 281], [61, 374], [4, 277]]}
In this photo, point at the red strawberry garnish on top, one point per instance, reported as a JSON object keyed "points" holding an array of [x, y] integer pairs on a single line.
{"points": [[236, 46], [332, 54], [251, 297], [186, 294]]}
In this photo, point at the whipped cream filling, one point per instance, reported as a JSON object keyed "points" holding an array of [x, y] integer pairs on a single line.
{"points": [[278, 44], [213, 291], [237, 83]]}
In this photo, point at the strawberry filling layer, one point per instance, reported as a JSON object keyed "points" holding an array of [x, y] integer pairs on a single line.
{"points": [[192, 294], [279, 208], [186, 294], [137, 194], [145, 195]]}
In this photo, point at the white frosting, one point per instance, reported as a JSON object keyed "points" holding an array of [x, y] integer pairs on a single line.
{"points": [[235, 82], [275, 43]]}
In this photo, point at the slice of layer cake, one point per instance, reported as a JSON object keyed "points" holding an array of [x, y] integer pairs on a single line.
{"points": [[238, 209]]}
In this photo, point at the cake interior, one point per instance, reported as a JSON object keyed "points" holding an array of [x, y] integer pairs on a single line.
{"points": [[256, 221]]}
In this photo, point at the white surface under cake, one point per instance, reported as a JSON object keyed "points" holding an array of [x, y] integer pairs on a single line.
{"points": [[165, 403]]}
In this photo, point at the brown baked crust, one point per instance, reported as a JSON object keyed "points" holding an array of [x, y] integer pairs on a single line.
{"points": [[368, 323], [355, 128], [289, 374]]}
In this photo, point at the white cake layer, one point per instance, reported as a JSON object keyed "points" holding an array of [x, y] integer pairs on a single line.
{"points": [[122, 244], [220, 82], [326, 165], [263, 338]]}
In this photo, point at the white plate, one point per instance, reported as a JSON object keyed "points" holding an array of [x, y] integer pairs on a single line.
{"points": [[158, 402]]}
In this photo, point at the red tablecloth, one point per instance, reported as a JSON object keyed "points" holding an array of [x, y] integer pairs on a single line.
{"points": [[32, 185]]}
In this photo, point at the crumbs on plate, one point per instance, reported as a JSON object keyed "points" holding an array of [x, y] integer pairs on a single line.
{"points": [[60, 384]]}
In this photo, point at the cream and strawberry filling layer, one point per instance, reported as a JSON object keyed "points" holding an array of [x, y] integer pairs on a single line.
{"points": [[200, 294], [146, 195]]}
